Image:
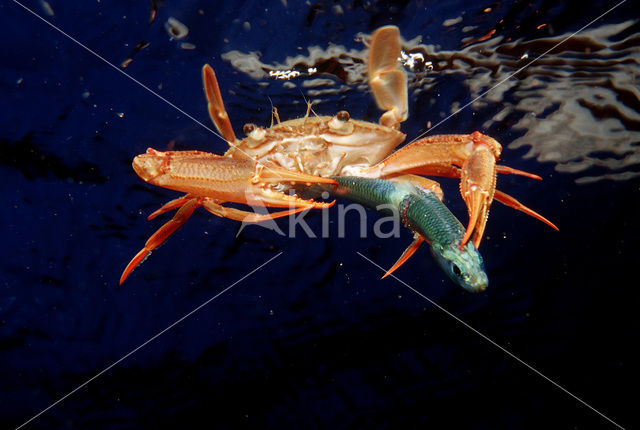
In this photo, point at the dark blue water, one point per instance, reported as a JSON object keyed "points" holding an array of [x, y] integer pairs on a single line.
{"points": [[315, 339]]}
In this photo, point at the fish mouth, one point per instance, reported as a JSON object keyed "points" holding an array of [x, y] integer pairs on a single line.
{"points": [[477, 280], [479, 284]]}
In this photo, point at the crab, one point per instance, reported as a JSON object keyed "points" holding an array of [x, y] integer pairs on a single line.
{"points": [[340, 146], [268, 162]]}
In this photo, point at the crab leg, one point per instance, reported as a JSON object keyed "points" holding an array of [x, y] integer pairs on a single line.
{"points": [[505, 170], [189, 204], [169, 206], [408, 253], [471, 157], [428, 185], [161, 235], [246, 216], [388, 82], [217, 112], [210, 180], [506, 199]]}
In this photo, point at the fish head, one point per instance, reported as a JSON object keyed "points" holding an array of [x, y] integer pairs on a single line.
{"points": [[464, 266]]}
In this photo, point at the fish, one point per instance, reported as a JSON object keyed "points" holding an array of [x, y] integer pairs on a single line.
{"points": [[421, 209]]}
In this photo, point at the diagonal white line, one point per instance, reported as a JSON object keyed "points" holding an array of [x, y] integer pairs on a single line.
{"points": [[510, 354], [149, 341], [117, 68], [514, 73], [129, 76]]}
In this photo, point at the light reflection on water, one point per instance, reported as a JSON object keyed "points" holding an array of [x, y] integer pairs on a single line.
{"points": [[577, 107]]}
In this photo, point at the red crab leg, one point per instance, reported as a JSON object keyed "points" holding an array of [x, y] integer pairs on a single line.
{"points": [[510, 170], [161, 235], [189, 204], [406, 254], [169, 206], [209, 180], [506, 199], [217, 112], [246, 216]]}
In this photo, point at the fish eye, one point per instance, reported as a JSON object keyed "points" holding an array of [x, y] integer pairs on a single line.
{"points": [[456, 270]]}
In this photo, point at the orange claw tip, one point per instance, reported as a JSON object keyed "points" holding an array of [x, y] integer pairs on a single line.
{"points": [[506, 199], [411, 249], [155, 214], [318, 205], [123, 277], [547, 222], [466, 237], [511, 171], [135, 262], [397, 264], [392, 269]]}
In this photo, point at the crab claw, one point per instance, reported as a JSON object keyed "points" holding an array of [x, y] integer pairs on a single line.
{"points": [[470, 157], [477, 186], [245, 183]]}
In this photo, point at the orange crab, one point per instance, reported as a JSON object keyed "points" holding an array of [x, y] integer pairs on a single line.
{"points": [[339, 146], [268, 161]]}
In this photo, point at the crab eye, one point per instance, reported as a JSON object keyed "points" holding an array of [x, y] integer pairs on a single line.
{"points": [[340, 124], [343, 116], [248, 128], [255, 135]]}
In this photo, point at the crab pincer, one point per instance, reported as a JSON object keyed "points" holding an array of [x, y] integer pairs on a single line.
{"points": [[470, 157]]}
